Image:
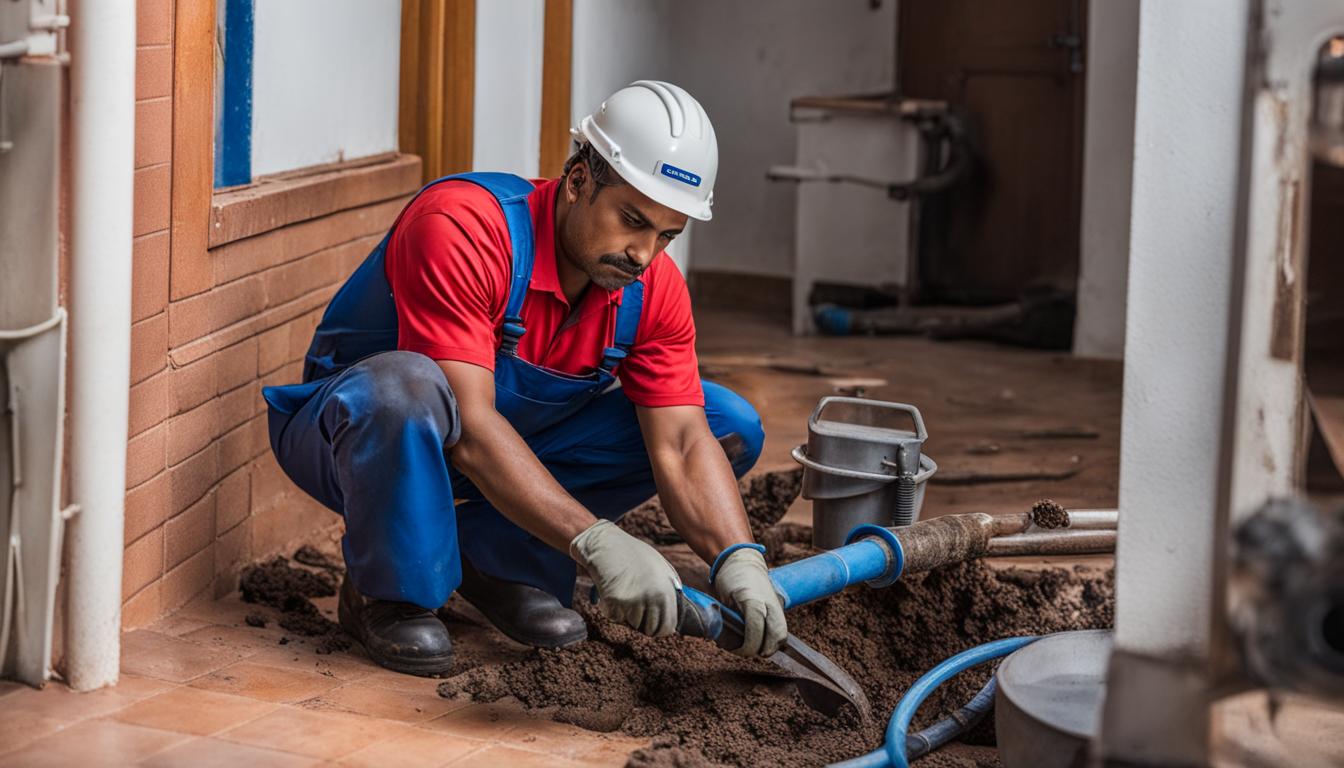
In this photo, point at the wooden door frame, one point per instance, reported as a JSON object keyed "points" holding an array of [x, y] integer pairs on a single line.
{"points": [[438, 84], [556, 77]]}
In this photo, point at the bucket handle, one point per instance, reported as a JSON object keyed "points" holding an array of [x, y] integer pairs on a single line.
{"points": [[920, 431], [927, 467]]}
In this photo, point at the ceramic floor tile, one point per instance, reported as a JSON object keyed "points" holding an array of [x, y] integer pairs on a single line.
{"points": [[368, 700], [165, 657], [242, 640], [611, 751], [552, 738], [327, 735], [9, 686], [193, 711], [94, 743], [494, 721], [227, 611], [218, 753], [345, 666], [18, 728], [415, 749], [500, 755], [176, 625], [267, 683], [57, 702]]}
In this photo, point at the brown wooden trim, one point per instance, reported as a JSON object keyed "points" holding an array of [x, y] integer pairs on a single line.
{"points": [[193, 148], [277, 202], [556, 65], [438, 83]]}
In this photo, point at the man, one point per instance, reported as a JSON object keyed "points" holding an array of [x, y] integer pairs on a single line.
{"points": [[509, 371]]}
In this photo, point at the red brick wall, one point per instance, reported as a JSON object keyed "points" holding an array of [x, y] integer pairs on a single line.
{"points": [[204, 496]]}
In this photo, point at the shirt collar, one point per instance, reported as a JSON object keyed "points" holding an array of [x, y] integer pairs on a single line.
{"points": [[545, 274]]}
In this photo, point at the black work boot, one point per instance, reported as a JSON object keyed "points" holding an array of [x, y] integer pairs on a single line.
{"points": [[400, 636], [524, 613]]}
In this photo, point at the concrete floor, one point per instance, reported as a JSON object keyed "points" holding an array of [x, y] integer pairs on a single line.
{"points": [[202, 688]]}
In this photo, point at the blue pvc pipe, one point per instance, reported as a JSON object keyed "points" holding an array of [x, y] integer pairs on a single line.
{"points": [[892, 752], [874, 557]]}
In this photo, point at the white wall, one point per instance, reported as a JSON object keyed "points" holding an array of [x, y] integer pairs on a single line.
{"points": [[743, 60], [1108, 164], [506, 128], [324, 84], [1186, 160]]}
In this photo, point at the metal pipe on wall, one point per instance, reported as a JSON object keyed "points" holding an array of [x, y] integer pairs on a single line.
{"points": [[102, 147]]}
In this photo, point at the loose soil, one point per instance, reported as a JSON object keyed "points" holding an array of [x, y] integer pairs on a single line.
{"points": [[280, 585], [1048, 514], [705, 707]]}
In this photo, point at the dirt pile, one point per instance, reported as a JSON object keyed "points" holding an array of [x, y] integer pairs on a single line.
{"points": [[766, 496], [703, 706], [278, 584], [1046, 513]]}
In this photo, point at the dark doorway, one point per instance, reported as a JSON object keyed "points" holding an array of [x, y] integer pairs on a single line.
{"points": [[1015, 69]]}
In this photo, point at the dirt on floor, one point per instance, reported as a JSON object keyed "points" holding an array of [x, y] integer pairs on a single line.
{"points": [[702, 706]]}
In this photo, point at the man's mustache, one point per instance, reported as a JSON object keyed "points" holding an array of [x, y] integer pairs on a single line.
{"points": [[623, 263]]}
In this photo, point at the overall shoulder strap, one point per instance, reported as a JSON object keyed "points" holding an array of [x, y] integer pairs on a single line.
{"points": [[627, 325], [511, 191]]}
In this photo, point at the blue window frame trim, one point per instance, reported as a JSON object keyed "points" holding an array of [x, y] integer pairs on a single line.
{"points": [[233, 145]]}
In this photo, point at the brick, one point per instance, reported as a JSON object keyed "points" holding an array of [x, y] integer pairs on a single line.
{"points": [[365, 225], [142, 562], [149, 403], [188, 580], [153, 198], [193, 478], [301, 333], [233, 550], [153, 72], [235, 448], [153, 132], [270, 486], [259, 435], [238, 407], [147, 506], [275, 530], [189, 532], [145, 455], [192, 431], [290, 281], [289, 373], [153, 22], [143, 609], [233, 500], [273, 349], [194, 384], [149, 347], [217, 308], [237, 365], [149, 277]]}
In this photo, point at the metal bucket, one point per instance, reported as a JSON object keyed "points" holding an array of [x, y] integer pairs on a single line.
{"points": [[858, 473], [1048, 705]]}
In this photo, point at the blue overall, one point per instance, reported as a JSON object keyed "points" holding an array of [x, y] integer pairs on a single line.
{"points": [[367, 430]]}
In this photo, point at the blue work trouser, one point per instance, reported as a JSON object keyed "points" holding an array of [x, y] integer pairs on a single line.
{"points": [[370, 443]]}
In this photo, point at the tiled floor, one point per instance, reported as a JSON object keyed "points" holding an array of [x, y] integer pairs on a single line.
{"points": [[204, 689]]}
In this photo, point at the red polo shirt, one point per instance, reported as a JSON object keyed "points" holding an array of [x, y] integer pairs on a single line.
{"points": [[449, 265]]}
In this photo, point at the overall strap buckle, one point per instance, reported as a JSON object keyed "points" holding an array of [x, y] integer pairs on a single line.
{"points": [[510, 334], [611, 357]]}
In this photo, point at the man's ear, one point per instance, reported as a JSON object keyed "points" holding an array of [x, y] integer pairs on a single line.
{"points": [[575, 181]]}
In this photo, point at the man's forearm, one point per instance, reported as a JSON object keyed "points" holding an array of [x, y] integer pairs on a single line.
{"points": [[700, 495], [503, 467]]}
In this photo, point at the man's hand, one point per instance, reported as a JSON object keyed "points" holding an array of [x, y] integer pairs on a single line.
{"points": [[636, 585], [742, 579]]}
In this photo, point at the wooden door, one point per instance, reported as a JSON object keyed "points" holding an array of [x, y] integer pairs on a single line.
{"points": [[1016, 71]]}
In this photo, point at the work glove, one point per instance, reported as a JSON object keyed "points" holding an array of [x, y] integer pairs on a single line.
{"points": [[635, 585], [740, 578]]}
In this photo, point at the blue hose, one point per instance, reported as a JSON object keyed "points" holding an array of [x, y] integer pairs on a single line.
{"points": [[892, 752]]}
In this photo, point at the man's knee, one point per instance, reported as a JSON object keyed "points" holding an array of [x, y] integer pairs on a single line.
{"points": [[736, 425], [400, 388]]}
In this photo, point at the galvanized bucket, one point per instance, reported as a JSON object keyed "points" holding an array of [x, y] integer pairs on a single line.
{"points": [[858, 473]]}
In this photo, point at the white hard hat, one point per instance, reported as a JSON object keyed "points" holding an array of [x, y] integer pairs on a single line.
{"points": [[659, 139]]}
